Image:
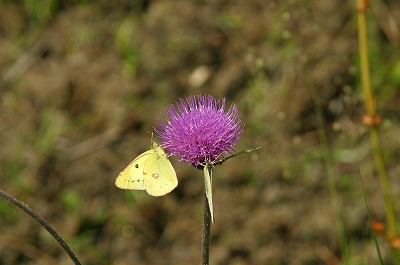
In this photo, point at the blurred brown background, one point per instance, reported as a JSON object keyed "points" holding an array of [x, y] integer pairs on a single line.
{"points": [[82, 82]]}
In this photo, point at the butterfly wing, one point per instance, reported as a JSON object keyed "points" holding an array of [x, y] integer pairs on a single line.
{"points": [[131, 178], [159, 175]]}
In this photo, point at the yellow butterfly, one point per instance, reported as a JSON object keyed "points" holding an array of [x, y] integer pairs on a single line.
{"points": [[150, 171]]}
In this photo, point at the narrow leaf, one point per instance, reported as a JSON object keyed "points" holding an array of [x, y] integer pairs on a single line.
{"points": [[208, 188]]}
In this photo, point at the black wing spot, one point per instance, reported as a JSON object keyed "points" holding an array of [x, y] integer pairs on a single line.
{"points": [[136, 166]]}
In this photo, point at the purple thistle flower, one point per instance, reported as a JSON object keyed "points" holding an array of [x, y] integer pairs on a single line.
{"points": [[198, 129]]}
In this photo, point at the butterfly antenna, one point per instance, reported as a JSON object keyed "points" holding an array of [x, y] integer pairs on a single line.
{"points": [[150, 134]]}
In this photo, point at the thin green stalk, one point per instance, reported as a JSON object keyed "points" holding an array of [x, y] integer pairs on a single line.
{"points": [[378, 251], [390, 216], [364, 62], [43, 223], [373, 120], [326, 156]]}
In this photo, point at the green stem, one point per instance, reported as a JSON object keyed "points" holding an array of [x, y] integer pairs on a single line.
{"points": [[370, 106], [390, 216], [378, 251], [335, 200], [206, 233], [43, 223], [364, 62]]}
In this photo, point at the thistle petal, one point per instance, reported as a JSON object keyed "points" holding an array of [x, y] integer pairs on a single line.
{"points": [[199, 130]]}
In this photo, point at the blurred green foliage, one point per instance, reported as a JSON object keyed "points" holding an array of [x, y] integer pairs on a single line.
{"points": [[8, 211], [41, 11], [51, 127], [126, 44], [71, 199]]}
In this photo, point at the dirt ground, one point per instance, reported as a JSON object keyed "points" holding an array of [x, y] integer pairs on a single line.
{"points": [[82, 83]]}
